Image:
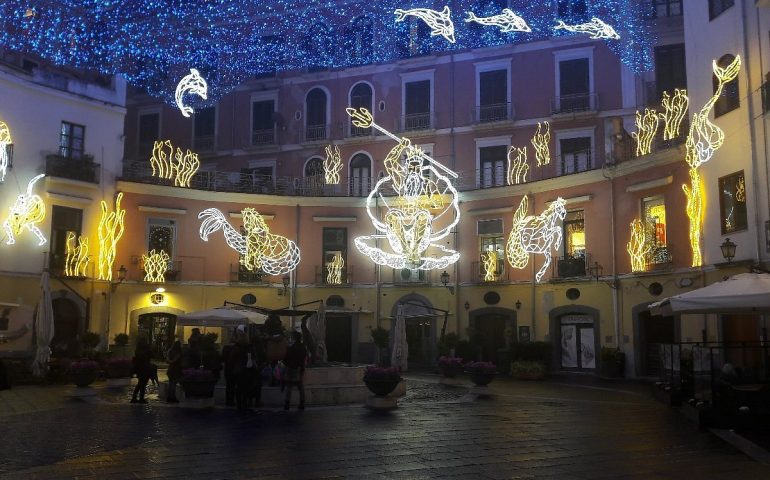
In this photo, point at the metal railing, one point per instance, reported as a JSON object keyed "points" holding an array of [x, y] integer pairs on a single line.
{"points": [[83, 169], [263, 137], [351, 131], [204, 142], [409, 276], [580, 102], [570, 266], [315, 133], [500, 275], [417, 121], [322, 275], [239, 274], [497, 112]]}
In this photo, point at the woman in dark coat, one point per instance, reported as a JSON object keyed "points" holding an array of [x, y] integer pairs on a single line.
{"points": [[174, 371], [142, 369]]}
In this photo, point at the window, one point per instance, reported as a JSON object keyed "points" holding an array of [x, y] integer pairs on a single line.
{"points": [[571, 8], [360, 175], [161, 235], [493, 96], [574, 86], [149, 132], [417, 105], [335, 243], [492, 161], [716, 7], [492, 243], [732, 203], [315, 115], [670, 71], [575, 155], [730, 98], [64, 220], [654, 217], [262, 122], [361, 96], [71, 140], [204, 128], [314, 181], [573, 261]]}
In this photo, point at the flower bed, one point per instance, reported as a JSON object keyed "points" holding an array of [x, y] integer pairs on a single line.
{"points": [[83, 372], [380, 380], [524, 370], [450, 366], [481, 373]]}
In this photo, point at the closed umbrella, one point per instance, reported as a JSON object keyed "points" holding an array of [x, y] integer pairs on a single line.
{"points": [[400, 347], [43, 327], [317, 327]]}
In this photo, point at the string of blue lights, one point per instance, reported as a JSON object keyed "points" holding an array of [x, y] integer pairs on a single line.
{"points": [[153, 43]]}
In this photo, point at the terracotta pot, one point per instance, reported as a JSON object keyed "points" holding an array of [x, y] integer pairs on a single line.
{"points": [[381, 387]]}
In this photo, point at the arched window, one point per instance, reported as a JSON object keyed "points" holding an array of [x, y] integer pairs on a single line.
{"points": [[361, 96], [315, 115], [314, 167], [360, 175], [313, 182], [360, 41], [730, 98]]}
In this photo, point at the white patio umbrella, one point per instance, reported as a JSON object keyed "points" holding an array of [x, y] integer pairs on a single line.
{"points": [[43, 327], [317, 327], [400, 348], [742, 293]]}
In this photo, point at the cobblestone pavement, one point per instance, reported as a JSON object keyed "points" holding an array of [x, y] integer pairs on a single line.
{"points": [[528, 430]]}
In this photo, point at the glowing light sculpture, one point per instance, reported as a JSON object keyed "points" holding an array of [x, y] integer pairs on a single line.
{"points": [[507, 21], [740, 190], [647, 127], [260, 250], [424, 194], [440, 23], [168, 163], [541, 142], [334, 270], [332, 165], [639, 246], [535, 234], [490, 266], [5, 140], [517, 165], [76, 260], [155, 266], [596, 28], [111, 228], [675, 108], [26, 212], [694, 209], [194, 84]]}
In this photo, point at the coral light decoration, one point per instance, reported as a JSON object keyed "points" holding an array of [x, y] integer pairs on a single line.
{"points": [[168, 163], [332, 165], [26, 212], [639, 246], [5, 140], [260, 250], [155, 266], [694, 210], [675, 108], [535, 234], [507, 21], [517, 165], [440, 23], [191, 83], [596, 28], [541, 141], [111, 228], [334, 270], [424, 194], [490, 266], [646, 128], [76, 260]]}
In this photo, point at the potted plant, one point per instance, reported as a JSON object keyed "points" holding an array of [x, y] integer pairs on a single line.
{"points": [[450, 366], [198, 383], [83, 372], [381, 338], [482, 373], [612, 362], [382, 380], [121, 340], [528, 370]]}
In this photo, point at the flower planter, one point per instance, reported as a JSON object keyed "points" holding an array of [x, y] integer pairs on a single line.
{"points": [[198, 388], [482, 379], [83, 378], [381, 387], [450, 370]]}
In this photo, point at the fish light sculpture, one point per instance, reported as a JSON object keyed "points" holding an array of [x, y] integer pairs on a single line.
{"points": [[439, 22]]}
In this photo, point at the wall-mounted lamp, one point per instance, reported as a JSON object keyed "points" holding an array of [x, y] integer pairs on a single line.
{"points": [[518, 304], [445, 282], [285, 280], [728, 249], [122, 271], [595, 271], [467, 305]]}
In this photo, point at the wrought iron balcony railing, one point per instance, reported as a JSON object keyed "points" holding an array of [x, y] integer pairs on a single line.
{"points": [[83, 169], [407, 275], [238, 274], [575, 103], [263, 137], [501, 274], [316, 133], [417, 121], [570, 266], [204, 143], [497, 112], [322, 275]]}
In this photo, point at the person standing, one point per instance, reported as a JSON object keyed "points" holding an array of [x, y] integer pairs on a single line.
{"points": [[296, 355], [229, 357], [141, 366], [174, 371]]}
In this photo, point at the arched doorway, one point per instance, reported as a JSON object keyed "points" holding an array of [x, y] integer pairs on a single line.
{"points": [[158, 329], [576, 337], [650, 332], [421, 328], [66, 327], [492, 329]]}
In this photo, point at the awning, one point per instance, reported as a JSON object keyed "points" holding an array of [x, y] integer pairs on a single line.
{"points": [[220, 317], [742, 293]]}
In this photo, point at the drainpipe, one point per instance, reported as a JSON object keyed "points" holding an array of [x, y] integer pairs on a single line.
{"points": [[292, 274], [614, 286], [532, 300]]}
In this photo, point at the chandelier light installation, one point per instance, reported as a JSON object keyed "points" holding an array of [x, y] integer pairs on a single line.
{"points": [[596, 28], [76, 260], [260, 250], [168, 163], [334, 270], [423, 211], [507, 21], [332, 165], [535, 234], [26, 212], [517, 165], [674, 110], [490, 266], [111, 228], [5, 140], [541, 142], [155, 266], [190, 84], [646, 128], [440, 23], [639, 246]]}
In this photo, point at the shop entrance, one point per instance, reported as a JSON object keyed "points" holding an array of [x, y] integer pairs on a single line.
{"points": [[158, 330], [66, 327], [654, 330], [578, 342], [339, 330]]}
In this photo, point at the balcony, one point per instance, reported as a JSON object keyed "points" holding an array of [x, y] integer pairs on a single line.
{"points": [[83, 169], [498, 112], [351, 131], [239, 274], [203, 143], [570, 266], [316, 133], [480, 276], [409, 276], [659, 258], [581, 102], [261, 138], [322, 275], [417, 121], [173, 272]]}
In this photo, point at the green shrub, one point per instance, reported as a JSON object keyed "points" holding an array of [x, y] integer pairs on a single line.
{"points": [[528, 370], [380, 337], [532, 352], [121, 340], [90, 340], [466, 350], [449, 342]]}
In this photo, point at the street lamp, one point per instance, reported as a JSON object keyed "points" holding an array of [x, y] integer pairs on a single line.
{"points": [[728, 249], [445, 282], [285, 280], [121, 278], [467, 305], [595, 271], [518, 304]]}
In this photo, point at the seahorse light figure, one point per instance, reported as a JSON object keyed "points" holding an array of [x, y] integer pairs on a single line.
{"points": [[490, 266], [194, 84], [517, 165], [5, 140], [76, 261], [535, 234], [332, 165], [440, 23], [646, 128], [506, 21], [27, 211], [260, 249], [675, 108], [541, 142], [596, 28], [639, 246]]}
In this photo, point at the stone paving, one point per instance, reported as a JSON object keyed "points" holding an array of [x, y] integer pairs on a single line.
{"points": [[528, 430]]}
